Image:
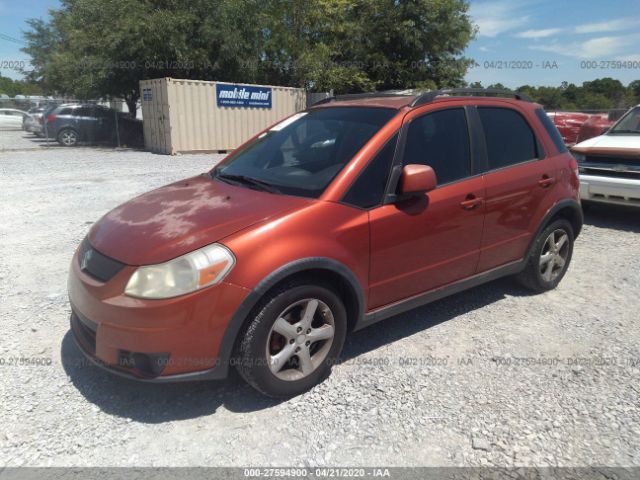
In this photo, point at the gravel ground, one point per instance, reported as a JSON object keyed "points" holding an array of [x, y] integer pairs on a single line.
{"points": [[20, 140], [491, 376]]}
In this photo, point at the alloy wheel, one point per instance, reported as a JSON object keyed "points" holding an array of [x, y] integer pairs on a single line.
{"points": [[300, 339], [68, 138], [553, 257]]}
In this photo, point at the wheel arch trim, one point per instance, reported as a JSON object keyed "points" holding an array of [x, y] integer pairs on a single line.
{"points": [[552, 212], [238, 320]]}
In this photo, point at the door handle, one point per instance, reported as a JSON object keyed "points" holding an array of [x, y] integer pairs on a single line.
{"points": [[471, 202], [546, 181]]}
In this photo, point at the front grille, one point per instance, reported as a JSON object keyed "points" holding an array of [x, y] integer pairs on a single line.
{"points": [[604, 160], [97, 265], [634, 175], [607, 166], [85, 332]]}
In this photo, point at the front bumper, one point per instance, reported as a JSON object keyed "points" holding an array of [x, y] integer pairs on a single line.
{"points": [[173, 339], [612, 190]]}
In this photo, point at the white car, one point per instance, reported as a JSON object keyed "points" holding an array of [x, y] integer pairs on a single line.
{"points": [[11, 118], [610, 164]]}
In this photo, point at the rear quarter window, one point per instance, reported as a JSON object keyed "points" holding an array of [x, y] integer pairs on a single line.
{"points": [[551, 129]]}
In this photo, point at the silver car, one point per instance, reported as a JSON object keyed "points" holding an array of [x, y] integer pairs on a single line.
{"points": [[34, 122]]}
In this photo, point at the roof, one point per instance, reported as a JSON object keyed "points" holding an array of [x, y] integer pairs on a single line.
{"points": [[395, 102], [400, 100]]}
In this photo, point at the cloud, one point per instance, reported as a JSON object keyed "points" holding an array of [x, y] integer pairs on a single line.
{"points": [[496, 17], [547, 32], [484, 49], [634, 57], [607, 26], [594, 48]]}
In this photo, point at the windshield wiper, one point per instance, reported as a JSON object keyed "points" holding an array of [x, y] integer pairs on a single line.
{"points": [[244, 179]]}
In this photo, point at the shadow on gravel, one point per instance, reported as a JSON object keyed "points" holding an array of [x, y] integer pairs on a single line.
{"points": [[613, 216], [425, 317], [156, 403]]}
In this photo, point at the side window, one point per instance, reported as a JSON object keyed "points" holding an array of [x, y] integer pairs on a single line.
{"points": [[367, 190], [509, 137], [100, 112], [551, 129], [83, 112], [65, 111], [441, 140]]}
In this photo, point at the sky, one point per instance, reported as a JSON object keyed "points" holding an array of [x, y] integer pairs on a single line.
{"points": [[534, 42], [546, 42]]}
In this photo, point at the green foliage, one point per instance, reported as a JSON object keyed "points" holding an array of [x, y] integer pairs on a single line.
{"points": [[103, 48], [91, 48], [634, 90], [599, 94], [12, 87]]}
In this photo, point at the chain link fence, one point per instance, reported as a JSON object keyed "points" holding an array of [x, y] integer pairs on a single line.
{"points": [[28, 123]]}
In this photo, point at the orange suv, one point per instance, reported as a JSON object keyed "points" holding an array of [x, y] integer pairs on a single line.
{"points": [[353, 211]]}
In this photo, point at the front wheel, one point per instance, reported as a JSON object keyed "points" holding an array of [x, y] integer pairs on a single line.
{"points": [[293, 341], [549, 257]]}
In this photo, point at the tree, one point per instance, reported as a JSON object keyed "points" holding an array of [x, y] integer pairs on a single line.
{"points": [[608, 88], [12, 87], [95, 48], [634, 91]]}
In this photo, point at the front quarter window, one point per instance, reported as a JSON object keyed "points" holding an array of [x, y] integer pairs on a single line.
{"points": [[303, 154]]}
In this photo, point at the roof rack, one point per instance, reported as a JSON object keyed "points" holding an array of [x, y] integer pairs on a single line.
{"points": [[430, 96], [356, 96]]}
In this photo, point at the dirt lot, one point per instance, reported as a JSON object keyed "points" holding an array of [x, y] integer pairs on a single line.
{"points": [[12, 139], [491, 376]]}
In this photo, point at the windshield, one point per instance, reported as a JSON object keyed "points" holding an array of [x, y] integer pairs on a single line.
{"points": [[629, 123], [303, 154]]}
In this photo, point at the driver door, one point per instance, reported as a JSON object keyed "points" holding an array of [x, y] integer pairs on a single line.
{"points": [[429, 241]]}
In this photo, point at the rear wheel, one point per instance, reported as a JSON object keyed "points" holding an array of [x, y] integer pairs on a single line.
{"points": [[293, 341], [549, 257], [68, 137]]}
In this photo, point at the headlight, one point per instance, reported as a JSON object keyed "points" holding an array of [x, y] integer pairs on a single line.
{"points": [[188, 273], [578, 156]]}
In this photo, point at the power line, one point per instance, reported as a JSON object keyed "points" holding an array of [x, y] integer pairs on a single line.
{"points": [[11, 39]]}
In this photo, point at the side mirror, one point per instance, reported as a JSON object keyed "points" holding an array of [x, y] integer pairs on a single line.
{"points": [[417, 179]]}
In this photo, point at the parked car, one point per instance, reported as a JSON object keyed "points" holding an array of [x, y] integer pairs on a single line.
{"points": [[71, 124], [610, 164], [569, 124], [11, 118], [33, 122], [342, 215], [75, 123]]}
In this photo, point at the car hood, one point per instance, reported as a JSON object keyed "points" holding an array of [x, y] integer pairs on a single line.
{"points": [[622, 141], [181, 217]]}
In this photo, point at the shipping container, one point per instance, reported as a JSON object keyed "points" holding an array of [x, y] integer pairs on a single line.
{"points": [[198, 116]]}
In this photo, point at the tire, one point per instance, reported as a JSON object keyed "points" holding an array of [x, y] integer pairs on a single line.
{"points": [[547, 263], [67, 137], [280, 328]]}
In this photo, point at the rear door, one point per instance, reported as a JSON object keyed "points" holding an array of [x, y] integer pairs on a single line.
{"points": [[85, 120], [518, 181], [105, 123], [429, 241]]}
